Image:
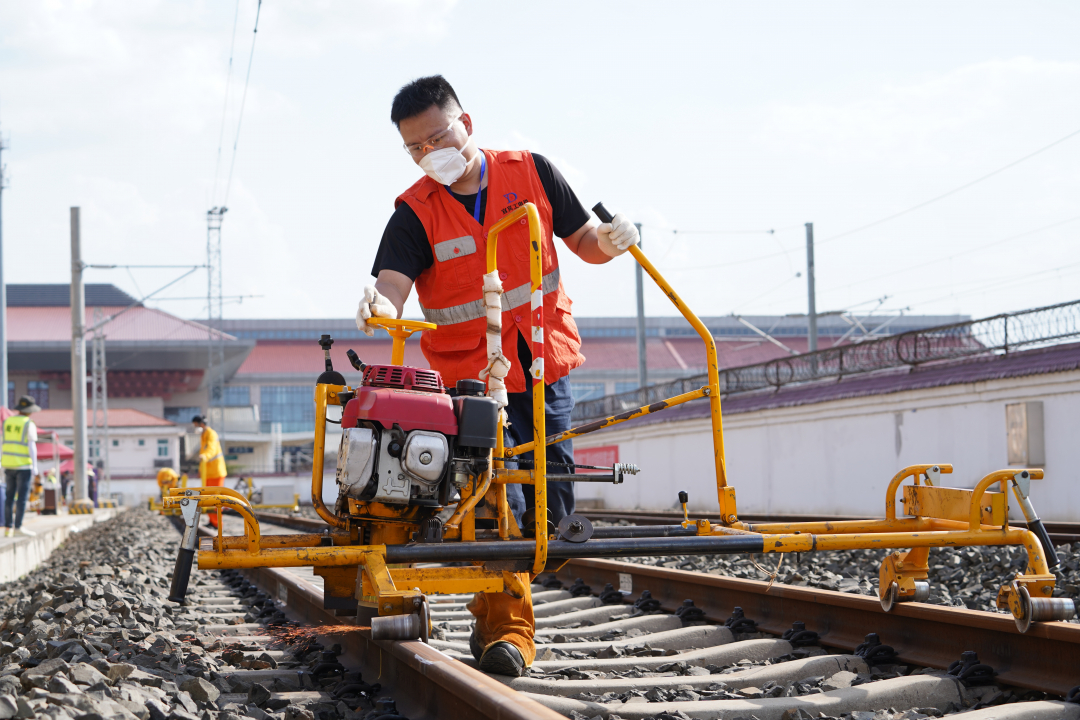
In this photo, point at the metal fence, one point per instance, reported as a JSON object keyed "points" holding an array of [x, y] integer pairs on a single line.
{"points": [[997, 335]]}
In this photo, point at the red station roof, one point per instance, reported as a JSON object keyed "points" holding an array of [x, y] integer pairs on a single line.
{"points": [[53, 324], [118, 418]]}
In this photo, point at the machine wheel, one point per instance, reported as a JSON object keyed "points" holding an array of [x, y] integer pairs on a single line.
{"points": [[889, 597], [1041, 609], [892, 595], [1023, 622], [415, 626]]}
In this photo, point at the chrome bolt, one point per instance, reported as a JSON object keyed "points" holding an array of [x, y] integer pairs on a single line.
{"points": [[425, 458]]}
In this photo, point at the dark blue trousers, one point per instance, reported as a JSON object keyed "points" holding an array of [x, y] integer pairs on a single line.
{"points": [[559, 403], [18, 492]]}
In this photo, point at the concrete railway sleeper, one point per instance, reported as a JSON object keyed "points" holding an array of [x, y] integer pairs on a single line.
{"points": [[614, 661]]}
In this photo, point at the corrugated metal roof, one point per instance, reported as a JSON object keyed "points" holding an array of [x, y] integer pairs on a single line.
{"points": [[306, 358], [53, 324], [119, 417], [601, 354], [59, 295], [1061, 358]]}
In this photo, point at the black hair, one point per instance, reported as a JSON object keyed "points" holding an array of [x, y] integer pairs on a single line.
{"points": [[419, 95], [197, 419]]}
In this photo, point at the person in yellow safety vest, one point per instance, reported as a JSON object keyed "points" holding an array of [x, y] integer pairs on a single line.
{"points": [[18, 457], [211, 460]]}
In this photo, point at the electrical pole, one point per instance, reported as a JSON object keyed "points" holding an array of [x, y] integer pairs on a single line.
{"points": [[642, 365], [215, 381], [3, 286], [78, 363], [811, 314], [99, 391]]}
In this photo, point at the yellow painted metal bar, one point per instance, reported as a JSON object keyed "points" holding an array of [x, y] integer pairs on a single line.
{"points": [[399, 331], [493, 234], [536, 271], [999, 476], [252, 534], [469, 503], [910, 471], [322, 393], [506, 477], [844, 526], [609, 421], [233, 542], [529, 213], [212, 490], [725, 499], [449, 580], [288, 557], [809, 543]]}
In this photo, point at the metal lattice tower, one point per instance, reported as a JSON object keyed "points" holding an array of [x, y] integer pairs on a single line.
{"points": [[99, 393], [215, 339]]}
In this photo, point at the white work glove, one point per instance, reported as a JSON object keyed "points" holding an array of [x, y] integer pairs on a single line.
{"points": [[617, 236], [374, 304]]}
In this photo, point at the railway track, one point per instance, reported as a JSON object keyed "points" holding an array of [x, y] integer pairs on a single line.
{"points": [[617, 661]]}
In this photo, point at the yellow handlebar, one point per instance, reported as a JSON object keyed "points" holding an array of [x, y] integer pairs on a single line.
{"points": [[399, 330]]}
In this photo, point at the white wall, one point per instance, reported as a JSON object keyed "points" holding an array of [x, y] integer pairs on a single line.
{"points": [[837, 457]]}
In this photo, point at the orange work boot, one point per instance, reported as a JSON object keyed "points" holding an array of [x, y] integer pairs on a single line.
{"points": [[502, 620]]}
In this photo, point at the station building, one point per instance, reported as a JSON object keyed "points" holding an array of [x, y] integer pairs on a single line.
{"points": [[157, 372]]}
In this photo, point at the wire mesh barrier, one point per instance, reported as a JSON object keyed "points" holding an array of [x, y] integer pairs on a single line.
{"points": [[996, 335]]}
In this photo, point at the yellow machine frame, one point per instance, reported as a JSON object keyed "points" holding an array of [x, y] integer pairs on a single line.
{"points": [[294, 506], [352, 554]]}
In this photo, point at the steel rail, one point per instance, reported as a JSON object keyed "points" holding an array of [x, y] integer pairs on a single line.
{"points": [[1045, 658], [424, 682]]}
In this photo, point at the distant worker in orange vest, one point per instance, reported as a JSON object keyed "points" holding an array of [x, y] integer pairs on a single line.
{"points": [[436, 240], [211, 460]]}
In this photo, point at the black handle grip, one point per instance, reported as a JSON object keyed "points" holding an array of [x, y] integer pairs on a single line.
{"points": [[1037, 527], [683, 497], [181, 575], [602, 213], [354, 359]]}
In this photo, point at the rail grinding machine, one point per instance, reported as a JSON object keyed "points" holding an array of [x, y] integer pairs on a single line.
{"points": [[410, 451]]}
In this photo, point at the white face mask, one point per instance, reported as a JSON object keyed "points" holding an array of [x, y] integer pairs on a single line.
{"points": [[445, 166]]}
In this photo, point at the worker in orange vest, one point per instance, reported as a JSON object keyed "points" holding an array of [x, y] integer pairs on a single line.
{"points": [[211, 460], [436, 241]]}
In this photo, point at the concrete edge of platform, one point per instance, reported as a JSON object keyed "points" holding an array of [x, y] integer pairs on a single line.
{"points": [[27, 553]]}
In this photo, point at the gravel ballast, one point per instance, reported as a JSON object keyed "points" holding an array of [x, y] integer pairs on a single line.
{"points": [[91, 634]]}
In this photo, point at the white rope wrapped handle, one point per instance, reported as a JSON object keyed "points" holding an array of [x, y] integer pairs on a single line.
{"points": [[497, 363]]}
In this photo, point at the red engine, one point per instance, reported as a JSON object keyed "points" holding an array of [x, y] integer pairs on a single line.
{"points": [[413, 398], [405, 440]]}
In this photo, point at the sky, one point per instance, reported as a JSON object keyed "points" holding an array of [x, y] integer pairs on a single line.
{"points": [[722, 127]]}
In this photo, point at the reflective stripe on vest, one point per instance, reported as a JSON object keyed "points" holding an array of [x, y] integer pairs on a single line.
{"points": [[515, 297]]}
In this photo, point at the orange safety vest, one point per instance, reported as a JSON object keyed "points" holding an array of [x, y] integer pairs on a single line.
{"points": [[451, 290]]}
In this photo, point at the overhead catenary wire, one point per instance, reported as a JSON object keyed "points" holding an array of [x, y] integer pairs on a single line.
{"points": [[243, 102], [955, 190], [945, 258], [1002, 282], [225, 104]]}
